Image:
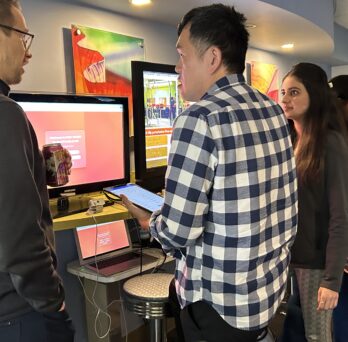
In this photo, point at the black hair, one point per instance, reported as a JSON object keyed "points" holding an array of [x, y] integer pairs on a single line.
{"points": [[221, 26], [340, 86]]}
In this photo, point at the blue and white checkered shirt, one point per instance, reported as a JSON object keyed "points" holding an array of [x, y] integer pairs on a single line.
{"points": [[230, 207]]}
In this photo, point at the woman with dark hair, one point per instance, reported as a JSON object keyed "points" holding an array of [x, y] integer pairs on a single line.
{"points": [[321, 154], [339, 85]]}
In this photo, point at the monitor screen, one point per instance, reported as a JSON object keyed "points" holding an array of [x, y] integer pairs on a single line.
{"points": [[93, 128], [156, 104]]}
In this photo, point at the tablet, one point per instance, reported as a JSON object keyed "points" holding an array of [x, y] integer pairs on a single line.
{"points": [[137, 195]]}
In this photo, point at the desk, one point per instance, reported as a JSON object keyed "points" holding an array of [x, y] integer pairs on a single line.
{"points": [[108, 287], [107, 291], [109, 213]]}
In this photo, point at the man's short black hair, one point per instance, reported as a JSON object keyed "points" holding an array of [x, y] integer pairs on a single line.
{"points": [[221, 26]]}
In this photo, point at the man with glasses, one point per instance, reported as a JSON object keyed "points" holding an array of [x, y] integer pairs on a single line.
{"points": [[32, 305], [27, 37]]}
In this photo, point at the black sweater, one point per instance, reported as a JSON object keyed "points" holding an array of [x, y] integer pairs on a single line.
{"points": [[28, 276], [322, 234]]}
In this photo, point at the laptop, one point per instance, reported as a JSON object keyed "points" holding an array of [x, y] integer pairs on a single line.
{"points": [[107, 248]]}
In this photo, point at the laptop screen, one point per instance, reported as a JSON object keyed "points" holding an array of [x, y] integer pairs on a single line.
{"points": [[102, 240]]}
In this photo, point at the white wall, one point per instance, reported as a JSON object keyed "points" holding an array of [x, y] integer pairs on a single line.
{"points": [[339, 70], [51, 66]]}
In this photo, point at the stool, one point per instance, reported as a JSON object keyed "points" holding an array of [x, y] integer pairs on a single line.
{"points": [[266, 336], [147, 296]]}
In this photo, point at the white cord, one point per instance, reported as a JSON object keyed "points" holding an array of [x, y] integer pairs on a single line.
{"points": [[92, 300], [93, 303]]}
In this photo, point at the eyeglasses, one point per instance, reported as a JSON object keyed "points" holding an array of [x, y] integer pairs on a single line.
{"points": [[27, 37]]}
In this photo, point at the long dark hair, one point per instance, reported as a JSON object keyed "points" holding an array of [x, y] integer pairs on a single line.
{"points": [[322, 114]]}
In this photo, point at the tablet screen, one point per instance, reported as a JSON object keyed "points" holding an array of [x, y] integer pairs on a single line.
{"points": [[138, 195]]}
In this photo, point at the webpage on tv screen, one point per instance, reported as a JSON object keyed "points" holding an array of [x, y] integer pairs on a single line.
{"points": [[93, 135]]}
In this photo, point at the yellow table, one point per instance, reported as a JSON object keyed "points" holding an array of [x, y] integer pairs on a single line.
{"points": [[109, 213]]}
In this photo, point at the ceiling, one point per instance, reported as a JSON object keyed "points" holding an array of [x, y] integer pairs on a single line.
{"points": [[274, 26], [341, 12]]}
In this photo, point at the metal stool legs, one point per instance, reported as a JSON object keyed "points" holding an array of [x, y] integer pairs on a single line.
{"points": [[147, 296], [158, 330]]}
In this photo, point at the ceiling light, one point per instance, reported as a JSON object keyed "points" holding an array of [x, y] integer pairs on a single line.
{"points": [[250, 25], [140, 2], [287, 46]]}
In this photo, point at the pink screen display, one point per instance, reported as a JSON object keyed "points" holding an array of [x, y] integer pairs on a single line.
{"points": [[110, 237], [93, 138]]}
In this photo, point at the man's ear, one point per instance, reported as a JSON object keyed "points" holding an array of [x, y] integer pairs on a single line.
{"points": [[214, 59]]}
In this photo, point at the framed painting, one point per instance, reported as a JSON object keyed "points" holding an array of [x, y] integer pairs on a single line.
{"points": [[264, 77], [102, 61]]}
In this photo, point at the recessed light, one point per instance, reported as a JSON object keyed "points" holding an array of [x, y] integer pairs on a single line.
{"points": [[287, 46], [250, 25], [140, 2]]}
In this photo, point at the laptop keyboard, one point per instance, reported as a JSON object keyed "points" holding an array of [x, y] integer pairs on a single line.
{"points": [[116, 260]]}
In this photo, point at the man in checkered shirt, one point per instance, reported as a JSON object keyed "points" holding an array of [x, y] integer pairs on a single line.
{"points": [[230, 207]]}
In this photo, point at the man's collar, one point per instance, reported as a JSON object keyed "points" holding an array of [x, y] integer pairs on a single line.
{"points": [[228, 80], [4, 88]]}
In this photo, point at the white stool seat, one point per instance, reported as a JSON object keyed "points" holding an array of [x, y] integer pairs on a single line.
{"points": [[154, 286], [147, 296]]}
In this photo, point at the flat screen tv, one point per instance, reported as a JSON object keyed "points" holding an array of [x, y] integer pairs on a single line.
{"points": [[93, 128], [156, 104]]}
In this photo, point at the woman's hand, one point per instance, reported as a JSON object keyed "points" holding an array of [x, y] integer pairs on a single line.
{"points": [[327, 299], [141, 215]]}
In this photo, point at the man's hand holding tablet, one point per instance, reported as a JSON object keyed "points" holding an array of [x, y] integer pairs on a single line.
{"points": [[139, 202], [143, 216]]}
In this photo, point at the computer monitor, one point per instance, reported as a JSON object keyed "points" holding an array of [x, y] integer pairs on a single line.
{"points": [[93, 128], [156, 104]]}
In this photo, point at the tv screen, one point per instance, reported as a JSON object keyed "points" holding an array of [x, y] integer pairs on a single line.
{"points": [[93, 128], [156, 104]]}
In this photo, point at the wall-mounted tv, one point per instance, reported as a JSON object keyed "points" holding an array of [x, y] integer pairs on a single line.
{"points": [[156, 104], [93, 128]]}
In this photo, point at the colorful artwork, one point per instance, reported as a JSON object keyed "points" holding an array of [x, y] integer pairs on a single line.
{"points": [[102, 61], [264, 77]]}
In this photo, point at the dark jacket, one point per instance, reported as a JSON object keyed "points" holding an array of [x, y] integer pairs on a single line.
{"points": [[322, 234], [28, 276]]}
